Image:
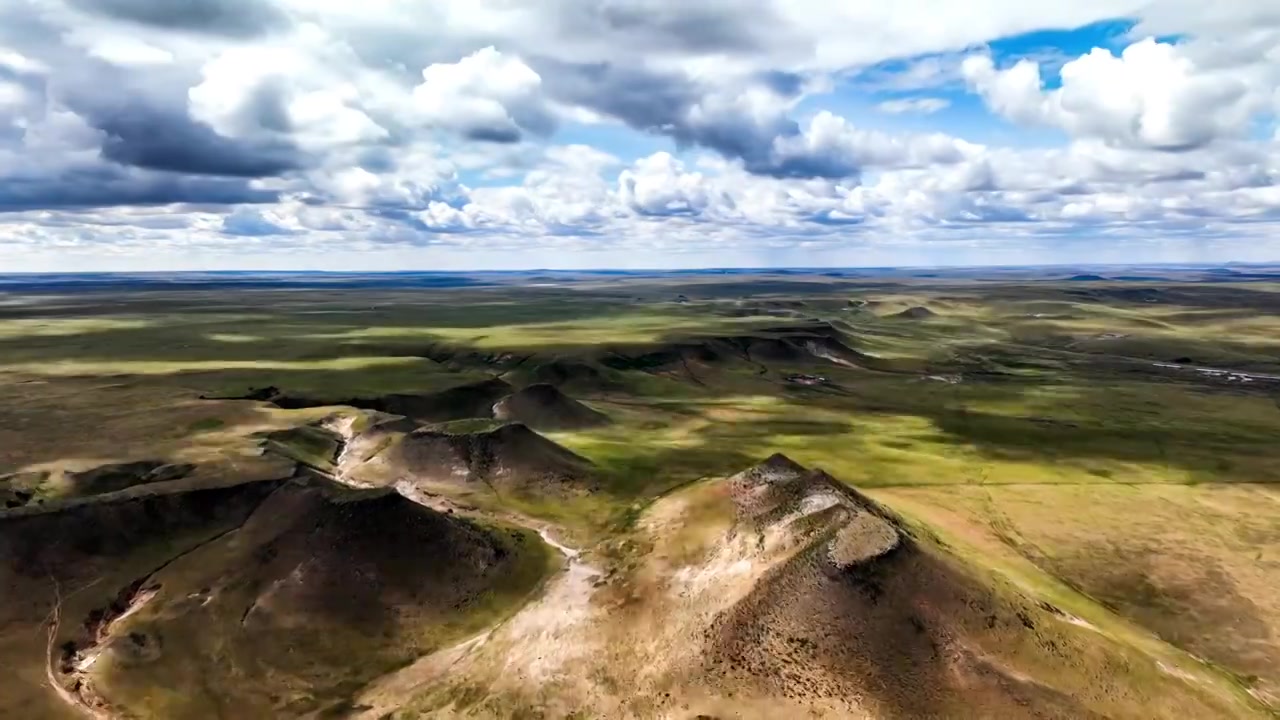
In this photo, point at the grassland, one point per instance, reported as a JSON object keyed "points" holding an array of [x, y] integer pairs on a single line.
{"points": [[1106, 446]]}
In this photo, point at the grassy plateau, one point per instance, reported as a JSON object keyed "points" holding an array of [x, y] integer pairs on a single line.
{"points": [[295, 499]]}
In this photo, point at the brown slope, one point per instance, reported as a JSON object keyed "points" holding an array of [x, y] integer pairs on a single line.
{"points": [[543, 407], [320, 591], [472, 400], [797, 344], [916, 313], [898, 630], [867, 610], [780, 592], [510, 457], [567, 371], [61, 570]]}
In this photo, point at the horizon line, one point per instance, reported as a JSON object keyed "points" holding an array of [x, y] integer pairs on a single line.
{"points": [[706, 269]]}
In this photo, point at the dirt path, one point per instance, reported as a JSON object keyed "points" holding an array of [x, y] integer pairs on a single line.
{"points": [[72, 699], [75, 662]]}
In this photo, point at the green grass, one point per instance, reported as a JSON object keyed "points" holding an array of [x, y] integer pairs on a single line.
{"points": [[1057, 407], [969, 527], [307, 664], [636, 327], [206, 425], [85, 559], [468, 426], [310, 445]]}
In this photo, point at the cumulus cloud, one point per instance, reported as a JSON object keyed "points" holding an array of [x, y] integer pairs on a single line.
{"points": [[305, 90], [630, 123], [148, 138], [831, 146], [750, 121], [658, 185], [1153, 95], [484, 96]]}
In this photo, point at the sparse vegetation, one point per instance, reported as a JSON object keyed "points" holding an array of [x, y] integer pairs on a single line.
{"points": [[1104, 448]]}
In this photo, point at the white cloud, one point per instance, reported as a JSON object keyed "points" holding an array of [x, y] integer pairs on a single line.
{"points": [[12, 97], [127, 51], [409, 179], [922, 105], [630, 124], [659, 185], [15, 62], [307, 89], [486, 95], [833, 139], [1152, 95]]}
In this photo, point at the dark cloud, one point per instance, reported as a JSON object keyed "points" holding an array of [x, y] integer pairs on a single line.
{"points": [[577, 30], [645, 26], [232, 18], [112, 186], [149, 151], [377, 159], [803, 166], [409, 219], [735, 134], [647, 101], [664, 104], [786, 84], [524, 122], [1185, 175], [503, 134], [142, 121], [739, 137], [267, 107], [180, 145], [142, 135]]}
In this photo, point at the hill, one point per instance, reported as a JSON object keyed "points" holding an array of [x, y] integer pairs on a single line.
{"points": [[544, 407], [797, 344], [568, 372], [917, 312], [65, 570], [780, 592], [319, 591], [508, 457], [471, 400]]}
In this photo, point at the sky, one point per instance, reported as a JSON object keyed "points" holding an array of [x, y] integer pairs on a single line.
{"points": [[508, 134]]}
